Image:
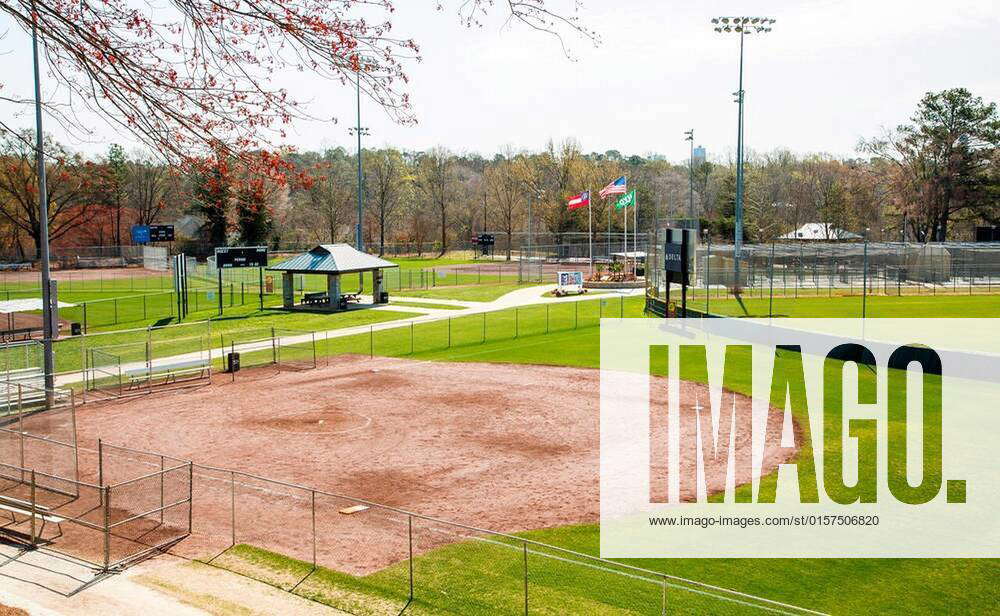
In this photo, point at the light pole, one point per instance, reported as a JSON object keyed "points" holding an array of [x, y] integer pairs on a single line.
{"points": [[770, 278], [43, 219], [689, 136], [708, 267], [359, 130], [864, 279], [741, 26]]}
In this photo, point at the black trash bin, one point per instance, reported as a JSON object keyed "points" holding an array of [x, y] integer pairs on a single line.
{"points": [[383, 297], [232, 362], [75, 329]]}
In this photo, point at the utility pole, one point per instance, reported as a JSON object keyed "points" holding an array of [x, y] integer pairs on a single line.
{"points": [[43, 217], [690, 137], [359, 130]]}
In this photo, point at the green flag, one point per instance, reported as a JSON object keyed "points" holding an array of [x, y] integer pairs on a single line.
{"points": [[626, 200]]}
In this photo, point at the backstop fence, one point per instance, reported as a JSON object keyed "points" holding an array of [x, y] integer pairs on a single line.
{"points": [[128, 505], [38, 432]]}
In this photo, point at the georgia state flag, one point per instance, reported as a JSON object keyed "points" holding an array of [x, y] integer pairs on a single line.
{"points": [[578, 201]]}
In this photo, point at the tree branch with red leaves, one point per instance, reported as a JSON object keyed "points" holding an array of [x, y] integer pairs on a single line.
{"points": [[194, 78]]}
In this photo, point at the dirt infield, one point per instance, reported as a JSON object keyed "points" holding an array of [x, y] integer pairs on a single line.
{"points": [[497, 446], [92, 273]]}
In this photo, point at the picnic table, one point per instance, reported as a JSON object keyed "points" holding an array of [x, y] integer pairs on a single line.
{"points": [[311, 299], [347, 298]]}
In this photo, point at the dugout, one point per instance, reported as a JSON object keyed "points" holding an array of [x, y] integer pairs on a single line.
{"points": [[332, 261]]}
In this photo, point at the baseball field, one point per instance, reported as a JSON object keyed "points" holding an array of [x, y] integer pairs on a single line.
{"points": [[446, 462]]}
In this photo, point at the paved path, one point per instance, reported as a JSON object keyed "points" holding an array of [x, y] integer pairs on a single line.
{"points": [[520, 297]]}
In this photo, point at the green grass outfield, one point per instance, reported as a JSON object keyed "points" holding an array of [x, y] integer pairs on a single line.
{"points": [[470, 578], [469, 293], [907, 306], [426, 305]]}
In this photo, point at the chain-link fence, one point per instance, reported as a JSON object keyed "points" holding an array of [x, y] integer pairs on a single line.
{"points": [[829, 269], [367, 558], [38, 431], [131, 505]]}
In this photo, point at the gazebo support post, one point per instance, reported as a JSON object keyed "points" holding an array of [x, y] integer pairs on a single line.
{"points": [[376, 286], [333, 290], [287, 290]]}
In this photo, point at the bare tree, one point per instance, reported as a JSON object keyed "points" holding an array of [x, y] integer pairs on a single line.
{"points": [[435, 178], [505, 188], [385, 179]]}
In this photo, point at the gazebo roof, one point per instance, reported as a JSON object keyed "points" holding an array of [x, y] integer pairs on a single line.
{"points": [[332, 259]]}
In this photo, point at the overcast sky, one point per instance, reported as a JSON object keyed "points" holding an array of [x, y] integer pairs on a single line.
{"points": [[831, 72]]}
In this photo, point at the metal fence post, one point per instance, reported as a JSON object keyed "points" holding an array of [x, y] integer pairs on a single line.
{"points": [[524, 545], [371, 341], [100, 463], [449, 332], [410, 559], [314, 527], [411, 337], [190, 495], [107, 527], [34, 508], [484, 328], [20, 427], [232, 504]]}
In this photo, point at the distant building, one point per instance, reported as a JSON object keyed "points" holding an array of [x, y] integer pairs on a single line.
{"points": [[819, 231], [699, 155], [188, 225]]}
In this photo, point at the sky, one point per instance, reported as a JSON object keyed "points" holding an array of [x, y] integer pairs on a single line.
{"points": [[830, 73]]}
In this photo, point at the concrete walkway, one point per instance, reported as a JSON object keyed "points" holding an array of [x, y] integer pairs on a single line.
{"points": [[521, 297]]}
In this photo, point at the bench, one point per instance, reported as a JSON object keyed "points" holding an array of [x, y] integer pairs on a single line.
{"points": [[169, 372], [25, 333], [311, 299], [40, 512], [33, 391]]}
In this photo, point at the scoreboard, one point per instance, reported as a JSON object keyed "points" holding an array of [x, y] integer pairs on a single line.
{"points": [[241, 256]]}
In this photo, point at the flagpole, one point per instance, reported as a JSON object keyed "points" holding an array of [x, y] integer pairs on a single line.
{"points": [[635, 228], [590, 230], [609, 226]]}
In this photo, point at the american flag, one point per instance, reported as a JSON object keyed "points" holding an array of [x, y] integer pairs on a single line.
{"points": [[618, 187]]}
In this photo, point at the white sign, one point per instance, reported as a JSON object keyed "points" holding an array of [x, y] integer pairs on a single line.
{"points": [[569, 282]]}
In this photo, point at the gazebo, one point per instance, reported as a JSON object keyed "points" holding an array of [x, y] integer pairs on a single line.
{"points": [[333, 261]]}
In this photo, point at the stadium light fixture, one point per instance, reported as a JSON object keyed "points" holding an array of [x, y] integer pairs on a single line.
{"points": [[743, 25]]}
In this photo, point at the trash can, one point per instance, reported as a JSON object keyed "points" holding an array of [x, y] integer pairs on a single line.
{"points": [[232, 362], [75, 329], [383, 297]]}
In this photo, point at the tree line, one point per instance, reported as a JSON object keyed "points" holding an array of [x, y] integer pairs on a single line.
{"points": [[930, 179]]}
